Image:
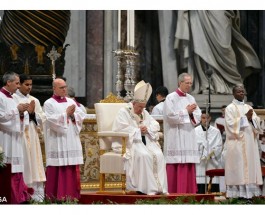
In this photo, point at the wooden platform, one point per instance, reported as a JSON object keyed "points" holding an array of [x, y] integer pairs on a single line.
{"points": [[114, 198]]}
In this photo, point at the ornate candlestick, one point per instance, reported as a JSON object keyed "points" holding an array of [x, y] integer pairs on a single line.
{"points": [[127, 83], [132, 71], [119, 83]]}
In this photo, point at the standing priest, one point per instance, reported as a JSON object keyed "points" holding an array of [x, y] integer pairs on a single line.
{"points": [[242, 162], [181, 115], [34, 175], [62, 144], [12, 124]]}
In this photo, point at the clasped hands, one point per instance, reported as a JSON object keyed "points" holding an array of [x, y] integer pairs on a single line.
{"points": [[191, 107], [30, 107], [70, 111], [143, 129]]}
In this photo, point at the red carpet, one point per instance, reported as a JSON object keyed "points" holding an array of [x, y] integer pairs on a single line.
{"points": [[5, 184], [94, 198]]}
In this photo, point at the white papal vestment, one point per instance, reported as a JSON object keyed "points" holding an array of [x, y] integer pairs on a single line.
{"points": [[145, 165]]}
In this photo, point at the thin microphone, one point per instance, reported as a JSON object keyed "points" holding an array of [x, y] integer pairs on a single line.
{"points": [[209, 73]]}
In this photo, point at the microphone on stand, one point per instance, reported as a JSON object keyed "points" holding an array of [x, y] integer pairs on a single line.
{"points": [[208, 73]]}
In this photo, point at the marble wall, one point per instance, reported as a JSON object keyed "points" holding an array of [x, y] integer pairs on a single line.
{"points": [[75, 56], [94, 56], [91, 66]]}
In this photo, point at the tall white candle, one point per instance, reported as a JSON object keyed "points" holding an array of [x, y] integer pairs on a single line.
{"points": [[128, 28], [133, 28], [119, 27]]}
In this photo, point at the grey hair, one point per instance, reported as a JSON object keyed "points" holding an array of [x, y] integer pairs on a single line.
{"points": [[182, 76], [71, 92], [9, 76]]}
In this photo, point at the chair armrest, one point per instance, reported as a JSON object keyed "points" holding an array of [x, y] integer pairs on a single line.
{"points": [[123, 135], [112, 134]]}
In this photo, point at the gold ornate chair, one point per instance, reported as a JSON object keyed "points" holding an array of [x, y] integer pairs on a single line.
{"points": [[110, 162]]}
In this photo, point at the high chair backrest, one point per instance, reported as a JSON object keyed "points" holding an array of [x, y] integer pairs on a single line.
{"points": [[106, 114]]}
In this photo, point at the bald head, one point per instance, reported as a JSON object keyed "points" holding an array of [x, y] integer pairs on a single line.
{"points": [[59, 87], [57, 81]]}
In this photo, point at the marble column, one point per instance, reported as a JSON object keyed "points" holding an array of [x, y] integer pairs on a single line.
{"points": [[94, 56], [75, 56], [167, 27], [110, 44]]}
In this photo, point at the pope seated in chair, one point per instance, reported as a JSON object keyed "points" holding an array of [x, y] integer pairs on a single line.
{"points": [[144, 161]]}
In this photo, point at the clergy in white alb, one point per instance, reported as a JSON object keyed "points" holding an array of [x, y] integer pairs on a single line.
{"points": [[220, 124], [181, 115], [34, 174], [161, 94], [210, 145], [62, 144], [144, 161], [158, 109], [242, 162], [12, 124]]}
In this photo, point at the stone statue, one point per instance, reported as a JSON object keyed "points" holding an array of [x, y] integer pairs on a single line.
{"points": [[212, 39], [40, 51], [14, 49]]}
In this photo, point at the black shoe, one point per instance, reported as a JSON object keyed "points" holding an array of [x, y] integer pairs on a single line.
{"points": [[140, 193], [246, 200], [249, 201]]}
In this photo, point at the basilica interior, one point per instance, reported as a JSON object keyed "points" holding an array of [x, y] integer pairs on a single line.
{"points": [[91, 51], [86, 41]]}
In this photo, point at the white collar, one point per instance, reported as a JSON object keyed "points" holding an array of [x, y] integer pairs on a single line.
{"points": [[235, 101], [21, 94]]}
